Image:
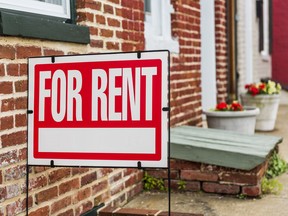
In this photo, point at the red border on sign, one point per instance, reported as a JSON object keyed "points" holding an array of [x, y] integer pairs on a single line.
{"points": [[86, 70]]}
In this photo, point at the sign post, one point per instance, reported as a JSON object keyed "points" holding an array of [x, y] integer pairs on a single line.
{"points": [[102, 110]]}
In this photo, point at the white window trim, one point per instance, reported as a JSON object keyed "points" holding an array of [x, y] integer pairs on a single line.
{"points": [[158, 27], [265, 52], [37, 7]]}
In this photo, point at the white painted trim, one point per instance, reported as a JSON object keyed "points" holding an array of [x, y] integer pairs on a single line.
{"points": [[249, 41], [265, 52], [158, 27]]}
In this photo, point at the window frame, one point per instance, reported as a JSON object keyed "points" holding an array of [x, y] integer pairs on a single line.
{"points": [[39, 7], [158, 27], [30, 25]]}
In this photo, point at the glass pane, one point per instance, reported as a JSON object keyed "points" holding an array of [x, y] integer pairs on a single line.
{"points": [[56, 2], [147, 4]]}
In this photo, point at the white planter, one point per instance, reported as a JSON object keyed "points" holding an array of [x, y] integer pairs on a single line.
{"points": [[239, 121], [268, 105]]}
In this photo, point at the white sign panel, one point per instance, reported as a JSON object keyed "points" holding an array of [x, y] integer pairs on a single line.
{"points": [[101, 110]]}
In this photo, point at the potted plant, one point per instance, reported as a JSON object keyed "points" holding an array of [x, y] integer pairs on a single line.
{"points": [[265, 96], [232, 117]]}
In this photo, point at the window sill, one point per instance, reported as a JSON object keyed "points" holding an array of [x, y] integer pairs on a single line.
{"points": [[160, 43], [13, 24]]}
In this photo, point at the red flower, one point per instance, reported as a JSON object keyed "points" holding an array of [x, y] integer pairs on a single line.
{"points": [[235, 106], [222, 106], [254, 90]]}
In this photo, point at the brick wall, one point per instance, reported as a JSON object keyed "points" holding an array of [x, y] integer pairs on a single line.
{"points": [[212, 179], [185, 67], [221, 49], [113, 27]]}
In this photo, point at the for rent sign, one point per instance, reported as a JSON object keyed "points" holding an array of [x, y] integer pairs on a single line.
{"points": [[99, 110]]}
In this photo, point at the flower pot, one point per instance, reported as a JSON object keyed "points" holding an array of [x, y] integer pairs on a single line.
{"points": [[239, 121], [268, 105]]}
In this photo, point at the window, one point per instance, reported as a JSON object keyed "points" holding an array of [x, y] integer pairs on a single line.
{"points": [[54, 8], [158, 26], [42, 19]]}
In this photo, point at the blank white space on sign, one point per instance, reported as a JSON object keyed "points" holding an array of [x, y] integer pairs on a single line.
{"points": [[129, 140]]}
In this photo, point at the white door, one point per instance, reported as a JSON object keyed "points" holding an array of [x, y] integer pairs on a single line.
{"points": [[208, 61]]}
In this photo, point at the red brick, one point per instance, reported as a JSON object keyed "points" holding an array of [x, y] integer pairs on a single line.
{"points": [[61, 204], [21, 86], [1, 177], [240, 178], [57, 175], [108, 9], [2, 70], [69, 185], [46, 195], [13, 69], [7, 52], [100, 19], [52, 52], [87, 179], [198, 176], [3, 193], [22, 154], [106, 33], [23, 70], [113, 22], [99, 187], [21, 103], [76, 171], [133, 212], [24, 52], [69, 212], [83, 208], [85, 16], [212, 187], [97, 43], [39, 169], [252, 191], [15, 138], [114, 178], [82, 195], [6, 87], [127, 47], [40, 212], [6, 122], [20, 120], [15, 207], [112, 46]]}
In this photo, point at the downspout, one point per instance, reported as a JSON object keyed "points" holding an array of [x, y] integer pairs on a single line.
{"points": [[232, 50]]}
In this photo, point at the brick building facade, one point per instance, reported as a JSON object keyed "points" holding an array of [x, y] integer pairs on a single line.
{"points": [[113, 27]]}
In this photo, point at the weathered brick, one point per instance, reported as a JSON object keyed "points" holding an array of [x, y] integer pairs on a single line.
{"points": [[69, 212], [40, 212], [112, 46], [132, 211], [81, 170], [84, 207], [6, 87], [6, 122], [69, 185], [52, 52], [15, 208], [14, 173], [57, 175], [252, 191], [99, 187], [7, 104], [239, 178], [114, 178], [61, 204], [97, 43], [87, 179], [3, 194], [38, 182], [8, 158], [13, 190], [198, 176], [82, 194], [108, 9], [15, 138], [24, 52], [23, 70], [7, 52], [212, 187], [46, 194]]}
